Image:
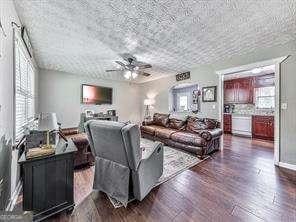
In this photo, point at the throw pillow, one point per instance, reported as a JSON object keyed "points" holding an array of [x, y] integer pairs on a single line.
{"points": [[161, 119]]}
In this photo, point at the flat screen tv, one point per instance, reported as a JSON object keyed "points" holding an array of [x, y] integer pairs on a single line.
{"points": [[96, 94]]}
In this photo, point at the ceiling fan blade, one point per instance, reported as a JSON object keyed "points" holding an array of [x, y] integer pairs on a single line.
{"points": [[145, 66], [145, 74], [113, 70], [120, 63]]}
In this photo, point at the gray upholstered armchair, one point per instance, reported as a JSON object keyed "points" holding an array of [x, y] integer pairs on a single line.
{"points": [[120, 170]]}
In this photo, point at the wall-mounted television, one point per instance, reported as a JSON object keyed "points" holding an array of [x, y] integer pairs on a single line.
{"points": [[96, 94]]}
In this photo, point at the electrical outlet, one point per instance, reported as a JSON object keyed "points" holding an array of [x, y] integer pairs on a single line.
{"points": [[284, 106]]}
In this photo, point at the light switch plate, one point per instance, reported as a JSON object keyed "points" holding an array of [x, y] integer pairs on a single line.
{"points": [[284, 106], [214, 106]]}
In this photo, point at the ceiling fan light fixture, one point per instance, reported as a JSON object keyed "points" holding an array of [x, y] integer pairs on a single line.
{"points": [[127, 74], [134, 75]]}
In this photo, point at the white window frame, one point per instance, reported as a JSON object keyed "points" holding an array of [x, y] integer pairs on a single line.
{"points": [[28, 89], [259, 96]]}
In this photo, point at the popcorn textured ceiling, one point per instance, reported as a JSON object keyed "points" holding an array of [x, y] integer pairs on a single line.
{"points": [[85, 36]]}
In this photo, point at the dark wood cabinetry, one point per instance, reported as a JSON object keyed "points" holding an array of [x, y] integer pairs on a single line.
{"points": [[264, 80], [48, 182], [263, 127], [227, 125], [238, 90]]}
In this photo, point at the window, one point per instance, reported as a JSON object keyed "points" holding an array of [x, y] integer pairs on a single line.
{"points": [[265, 97], [183, 103], [182, 98], [24, 89]]}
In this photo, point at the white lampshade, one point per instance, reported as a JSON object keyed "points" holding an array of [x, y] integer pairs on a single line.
{"points": [[149, 102], [47, 121], [127, 74], [134, 75]]}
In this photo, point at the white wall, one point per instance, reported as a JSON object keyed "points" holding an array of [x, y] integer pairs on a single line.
{"points": [[60, 92], [205, 76]]}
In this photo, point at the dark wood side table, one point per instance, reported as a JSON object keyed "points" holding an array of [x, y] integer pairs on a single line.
{"points": [[48, 181]]}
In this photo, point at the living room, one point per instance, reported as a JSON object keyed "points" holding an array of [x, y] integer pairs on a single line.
{"points": [[113, 111]]}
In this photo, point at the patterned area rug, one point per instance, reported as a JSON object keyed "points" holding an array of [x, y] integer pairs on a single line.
{"points": [[175, 162]]}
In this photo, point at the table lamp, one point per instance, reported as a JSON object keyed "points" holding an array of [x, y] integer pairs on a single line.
{"points": [[148, 103], [47, 122]]}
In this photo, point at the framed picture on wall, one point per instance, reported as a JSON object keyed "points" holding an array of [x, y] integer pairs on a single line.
{"points": [[209, 94]]}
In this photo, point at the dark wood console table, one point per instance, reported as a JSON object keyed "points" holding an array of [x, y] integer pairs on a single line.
{"points": [[48, 181]]}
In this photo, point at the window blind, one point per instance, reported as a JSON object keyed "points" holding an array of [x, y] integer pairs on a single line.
{"points": [[24, 89]]}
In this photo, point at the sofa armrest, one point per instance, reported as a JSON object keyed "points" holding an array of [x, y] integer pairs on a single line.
{"points": [[208, 135], [147, 122]]}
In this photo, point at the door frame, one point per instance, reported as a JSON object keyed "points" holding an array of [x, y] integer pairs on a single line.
{"points": [[277, 63]]}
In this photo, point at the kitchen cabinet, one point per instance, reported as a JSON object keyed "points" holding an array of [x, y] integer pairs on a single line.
{"points": [[264, 80], [263, 127], [227, 123], [238, 91]]}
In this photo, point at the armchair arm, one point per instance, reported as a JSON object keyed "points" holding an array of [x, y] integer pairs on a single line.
{"points": [[149, 171], [211, 134]]}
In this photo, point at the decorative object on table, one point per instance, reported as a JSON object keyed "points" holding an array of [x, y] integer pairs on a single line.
{"points": [[38, 152], [182, 76], [195, 107], [45, 133], [209, 94], [27, 42], [48, 181], [47, 122], [89, 113], [111, 112], [148, 103]]}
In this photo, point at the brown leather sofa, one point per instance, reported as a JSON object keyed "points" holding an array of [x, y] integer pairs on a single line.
{"points": [[200, 136], [83, 156]]}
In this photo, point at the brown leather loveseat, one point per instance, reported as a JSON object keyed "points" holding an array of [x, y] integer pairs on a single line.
{"points": [[200, 136]]}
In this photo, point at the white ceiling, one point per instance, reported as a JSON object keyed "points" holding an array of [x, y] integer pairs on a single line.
{"points": [[85, 36]]}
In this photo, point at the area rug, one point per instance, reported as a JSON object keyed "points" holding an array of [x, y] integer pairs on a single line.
{"points": [[174, 162]]}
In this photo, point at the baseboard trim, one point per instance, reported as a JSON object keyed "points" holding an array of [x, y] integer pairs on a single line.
{"points": [[287, 165], [14, 197]]}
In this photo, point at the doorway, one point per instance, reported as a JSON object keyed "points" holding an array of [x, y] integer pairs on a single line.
{"points": [[230, 96]]}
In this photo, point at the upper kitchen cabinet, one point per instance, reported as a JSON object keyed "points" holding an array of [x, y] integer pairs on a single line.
{"points": [[238, 90], [264, 80], [229, 92]]}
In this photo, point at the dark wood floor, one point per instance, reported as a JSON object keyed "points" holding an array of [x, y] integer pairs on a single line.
{"points": [[239, 183]]}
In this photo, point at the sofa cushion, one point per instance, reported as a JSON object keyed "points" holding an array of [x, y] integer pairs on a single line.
{"points": [[160, 119], [188, 138], [177, 121], [195, 124], [164, 132], [150, 129]]}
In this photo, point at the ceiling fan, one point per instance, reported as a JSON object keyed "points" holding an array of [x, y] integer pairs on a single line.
{"points": [[132, 68]]}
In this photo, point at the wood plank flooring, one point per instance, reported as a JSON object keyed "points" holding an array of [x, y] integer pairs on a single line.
{"points": [[239, 183]]}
